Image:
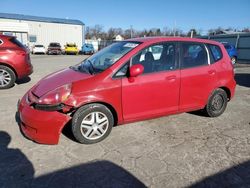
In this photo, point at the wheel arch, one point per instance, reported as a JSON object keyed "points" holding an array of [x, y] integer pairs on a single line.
{"points": [[228, 92], [109, 106]]}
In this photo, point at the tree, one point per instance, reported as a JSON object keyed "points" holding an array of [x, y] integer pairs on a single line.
{"points": [[193, 32]]}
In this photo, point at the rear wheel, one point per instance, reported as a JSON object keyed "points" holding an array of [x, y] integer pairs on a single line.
{"points": [[92, 123], [217, 103], [7, 77]]}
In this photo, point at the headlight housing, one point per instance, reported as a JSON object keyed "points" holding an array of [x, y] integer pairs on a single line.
{"points": [[56, 96]]}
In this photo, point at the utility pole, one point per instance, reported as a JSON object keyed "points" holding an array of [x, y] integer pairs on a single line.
{"points": [[192, 32]]}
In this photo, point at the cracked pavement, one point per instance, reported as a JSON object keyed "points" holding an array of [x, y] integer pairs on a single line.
{"points": [[184, 150]]}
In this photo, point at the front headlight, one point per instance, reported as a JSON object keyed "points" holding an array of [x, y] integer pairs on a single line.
{"points": [[56, 96]]}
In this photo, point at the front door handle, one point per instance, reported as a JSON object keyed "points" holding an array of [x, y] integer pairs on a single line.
{"points": [[171, 78]]}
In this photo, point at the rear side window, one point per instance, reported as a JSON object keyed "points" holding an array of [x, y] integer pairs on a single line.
{"points": [[216, 52], [16, 42], [193, 55]]}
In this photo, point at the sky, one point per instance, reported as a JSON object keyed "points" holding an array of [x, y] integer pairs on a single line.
{"points": [[140, 14]]}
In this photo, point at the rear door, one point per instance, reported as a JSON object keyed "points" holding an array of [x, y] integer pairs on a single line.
{"points": [[198, 76]]}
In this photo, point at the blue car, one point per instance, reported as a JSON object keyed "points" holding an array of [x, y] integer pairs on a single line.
{"points": [[232, 51], [88, 49]]}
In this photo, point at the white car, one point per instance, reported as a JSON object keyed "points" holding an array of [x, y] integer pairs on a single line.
{"points": [[38, 49]]}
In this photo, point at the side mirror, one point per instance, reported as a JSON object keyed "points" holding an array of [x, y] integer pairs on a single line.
{"points": [[136, 70]]}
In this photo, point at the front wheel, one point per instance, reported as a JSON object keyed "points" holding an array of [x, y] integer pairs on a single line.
{"points": [[92, 123], [7, 77], [217, 103]]}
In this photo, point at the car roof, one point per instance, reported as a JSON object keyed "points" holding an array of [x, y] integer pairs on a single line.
{"points": [[162, 39]]}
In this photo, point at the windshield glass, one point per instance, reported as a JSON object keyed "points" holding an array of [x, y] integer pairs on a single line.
{"points": [[71, 45], [54, 45], [106, 57]]}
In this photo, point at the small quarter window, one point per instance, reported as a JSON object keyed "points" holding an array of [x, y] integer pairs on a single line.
{"points": [[1, 42], [123, 71], [216, 52]]}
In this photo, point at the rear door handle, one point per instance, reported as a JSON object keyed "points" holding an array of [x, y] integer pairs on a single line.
{"points": [[211, 72]]}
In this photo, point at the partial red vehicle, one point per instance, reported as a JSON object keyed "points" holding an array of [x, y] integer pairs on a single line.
{"points": [[14, 61], [129, 81]]}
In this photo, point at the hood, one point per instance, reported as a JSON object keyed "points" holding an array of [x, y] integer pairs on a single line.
{"points": [[58, 79]]}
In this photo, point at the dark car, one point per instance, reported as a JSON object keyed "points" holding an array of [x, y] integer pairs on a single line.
{"points": [[14, 61], [129, 81], [54, 48], [232, 51]]}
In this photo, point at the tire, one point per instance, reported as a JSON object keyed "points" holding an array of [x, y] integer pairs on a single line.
{"points": [[7, 77], [85, 126], [217, 103], [234, 60]]}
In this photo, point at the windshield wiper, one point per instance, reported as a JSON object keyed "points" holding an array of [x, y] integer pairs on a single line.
{"points": [[92, 70]]}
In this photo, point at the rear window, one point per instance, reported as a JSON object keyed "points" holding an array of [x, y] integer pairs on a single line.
{"points": [[216, 52], [39, 46], [16, 42]]}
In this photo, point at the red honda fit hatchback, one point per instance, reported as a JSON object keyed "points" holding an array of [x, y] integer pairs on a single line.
{"points": [[14, 61], [129, 81]]}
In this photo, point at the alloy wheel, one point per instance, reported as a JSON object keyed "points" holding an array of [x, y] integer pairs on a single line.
{"points": [[94, 125], [5, 78]]}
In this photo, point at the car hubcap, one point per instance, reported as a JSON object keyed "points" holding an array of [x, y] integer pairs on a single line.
{"points": [[94, 125], [4, 78], [217, 102]]}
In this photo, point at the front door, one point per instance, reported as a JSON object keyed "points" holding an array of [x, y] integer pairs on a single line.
{"points": [[156, 91]]}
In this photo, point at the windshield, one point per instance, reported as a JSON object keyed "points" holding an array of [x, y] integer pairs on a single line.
{"points": [[106, 57], [71, 45], [54, 45]]}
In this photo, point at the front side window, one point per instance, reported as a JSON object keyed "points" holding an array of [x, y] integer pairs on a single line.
{"points": [[106, 57], [193, 55], [155, 58]]}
